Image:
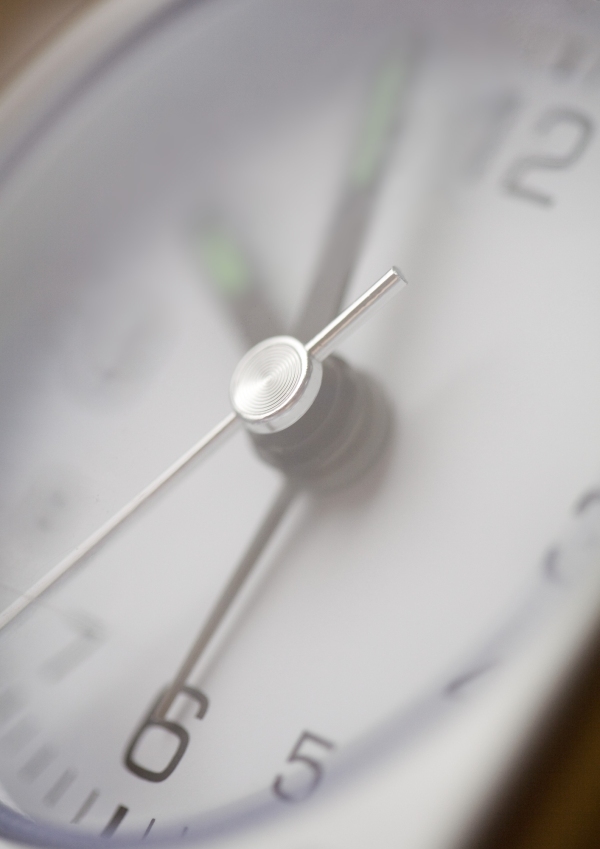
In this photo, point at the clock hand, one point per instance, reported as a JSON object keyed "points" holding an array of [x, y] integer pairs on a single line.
{"points": [[225, 428], [228, 595], [371, 154], [232, 274], [273, 385]]}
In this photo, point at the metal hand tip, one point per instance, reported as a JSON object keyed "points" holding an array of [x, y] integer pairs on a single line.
{"points": [[330, 337]]}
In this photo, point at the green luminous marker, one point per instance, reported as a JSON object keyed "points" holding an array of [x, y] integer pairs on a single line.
{"points": [[224, 263], [233, 277], [378, 122]]}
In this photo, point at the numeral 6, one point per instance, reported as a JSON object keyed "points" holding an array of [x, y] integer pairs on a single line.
{"points": [[183, 737]]}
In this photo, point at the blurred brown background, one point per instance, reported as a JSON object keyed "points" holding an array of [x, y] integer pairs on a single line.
{"points": [[26, 25], [555, 801]]}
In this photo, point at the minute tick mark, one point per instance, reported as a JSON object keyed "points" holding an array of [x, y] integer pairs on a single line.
{"points": [[149, 829], [85, 807], [60, 787], [37, 763], [115, 821]]}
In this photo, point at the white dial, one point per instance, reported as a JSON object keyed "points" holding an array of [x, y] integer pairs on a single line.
{"points": [[236, 171]]}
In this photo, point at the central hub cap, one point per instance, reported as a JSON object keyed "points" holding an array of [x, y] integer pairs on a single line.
{"points": [[275, 384]]}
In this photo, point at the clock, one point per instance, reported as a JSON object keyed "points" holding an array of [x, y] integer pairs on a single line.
{"points": [[269, 577]]}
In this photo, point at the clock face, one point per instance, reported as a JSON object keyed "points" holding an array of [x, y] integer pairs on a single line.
{"points": [[232, 172]]}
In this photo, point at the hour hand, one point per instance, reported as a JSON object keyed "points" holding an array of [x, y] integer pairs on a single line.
{"points": [[380, 122]]}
